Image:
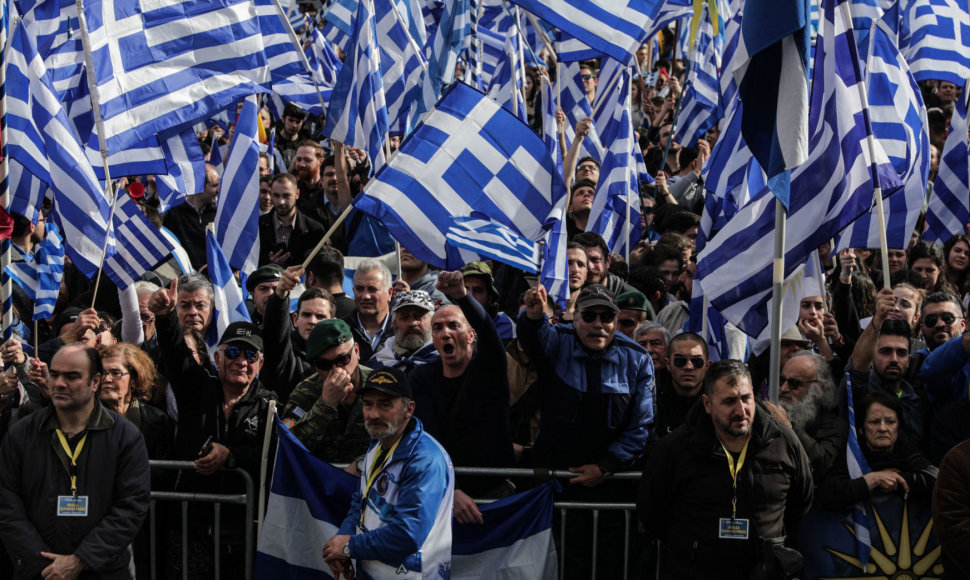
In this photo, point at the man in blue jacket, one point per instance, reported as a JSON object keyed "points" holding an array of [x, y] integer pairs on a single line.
{"points": [[399, 523]]}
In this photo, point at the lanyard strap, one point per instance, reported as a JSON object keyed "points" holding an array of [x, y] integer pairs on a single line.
{"points": [[375, 468], [73, 455], [734, 470]]}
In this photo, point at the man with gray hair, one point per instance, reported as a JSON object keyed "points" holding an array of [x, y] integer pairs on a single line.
{"points": [[369, 321], [190, 298], [654, 337], [809, 404], [411, 345]]}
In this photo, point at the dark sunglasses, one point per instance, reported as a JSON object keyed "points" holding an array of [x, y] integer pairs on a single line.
{"points": [[794, 384], [325, 365], [931, 319], [627, 322], [587, 77], [681, 361], [232, 353], [605, 316]]}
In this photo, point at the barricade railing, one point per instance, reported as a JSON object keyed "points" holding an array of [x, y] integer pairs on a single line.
{"points": [[247, 499], [539, 474]]}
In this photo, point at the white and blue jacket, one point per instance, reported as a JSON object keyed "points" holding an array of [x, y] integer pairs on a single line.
{"points": [[406, 527]]}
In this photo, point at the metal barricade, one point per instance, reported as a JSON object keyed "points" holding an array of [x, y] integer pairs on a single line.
{"points": [[247, 499], [565, 506]]}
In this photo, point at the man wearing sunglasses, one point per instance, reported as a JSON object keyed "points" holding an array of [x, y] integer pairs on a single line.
{"points": [[687, 362], [946, 369], [324, 411], [596, 411]]}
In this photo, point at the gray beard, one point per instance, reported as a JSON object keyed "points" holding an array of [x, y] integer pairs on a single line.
{"points": [[802, 413], [408, 344]]}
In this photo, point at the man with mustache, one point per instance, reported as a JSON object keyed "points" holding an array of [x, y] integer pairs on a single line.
{"points": [[884, 347], [726, 478], [399, 522], [596, 411], [411, 346]]}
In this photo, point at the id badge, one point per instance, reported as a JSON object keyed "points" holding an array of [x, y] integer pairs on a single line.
{"points": [[733, 529], [72, 507]]}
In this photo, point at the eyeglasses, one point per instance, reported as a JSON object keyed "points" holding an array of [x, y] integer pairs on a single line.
{"points": [[104, 327], [605, 316], [146, 319], [325, 365], [116, 373], [681, 361], [232, 353], [586, 167], [947, 317], [794, 384], [626, 322], [649, 210], [586, 77]]}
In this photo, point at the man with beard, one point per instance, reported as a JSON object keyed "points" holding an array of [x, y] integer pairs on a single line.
{"points": [[319, 195], [286, 234], [725, 479], [399, 522], [463, 397], [598, 264], [411, 346], [578, 270], [945, 368], [884, 347], [808, 403]]}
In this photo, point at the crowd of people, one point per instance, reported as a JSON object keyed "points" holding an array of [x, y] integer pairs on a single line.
{"points": [[485, 370]]}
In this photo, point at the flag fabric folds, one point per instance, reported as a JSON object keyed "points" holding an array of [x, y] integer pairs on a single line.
{"points": [[237, 216], [700, 106], [163, 65], [403, 69], [40, 274], [357, 115], [139, 245], [228, 305], [828, 192], [494, 241], [772, 84], [934, 38], [949, 208], [858, 467], [186, 174], [469, 157]]}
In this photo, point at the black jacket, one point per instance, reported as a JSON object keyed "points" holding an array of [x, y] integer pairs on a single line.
{"points": [[284, 349], [839, 491], [306, 233], [687, 488]]}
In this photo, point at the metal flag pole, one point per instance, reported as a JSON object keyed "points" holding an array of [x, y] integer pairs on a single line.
{"points": [[777, 290]]}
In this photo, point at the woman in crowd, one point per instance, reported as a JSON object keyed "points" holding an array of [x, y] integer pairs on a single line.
{"points": [[129, 380], [956, 270], [895, 468], [926, 259]]}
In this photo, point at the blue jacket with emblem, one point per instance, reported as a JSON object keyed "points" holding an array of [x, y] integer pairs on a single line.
{"points": [[400, 526], [596, 408]]}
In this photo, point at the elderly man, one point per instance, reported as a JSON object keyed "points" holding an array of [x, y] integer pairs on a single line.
{"points": [[399, 522], [411, 346], [596, 410], [369, 321], [324, 411], [654, 337], [463, 398], [74, 479], [687, 363], [809, 404], [729, 476], [189, 297]]}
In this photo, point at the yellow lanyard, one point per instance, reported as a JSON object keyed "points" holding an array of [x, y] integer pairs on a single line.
{"points": [[73, 455], [372, 475], [735, 469]]}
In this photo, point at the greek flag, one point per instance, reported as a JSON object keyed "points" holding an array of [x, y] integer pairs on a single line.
{"points": [[615, 28], [339, 22], [949, 209], [576, 107], [700, 106], [186, 174], [829, 191], [43, 141], [772, 85], [237, 216], [159, 66], [858, 467], [444, 46], [307, 494], [40, 275], [934, 39], [139, 245], [898, 119], [323, 60], [554, 267], [468, 155], [730, 58], [228, 305], [357, 115], [505, 83], [403, 68], [494, 241], [732, 177], [615, 214], [289, 76], [27, 192]]}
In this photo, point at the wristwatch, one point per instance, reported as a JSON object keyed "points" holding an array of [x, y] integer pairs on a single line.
{"points": [[346, 550]]}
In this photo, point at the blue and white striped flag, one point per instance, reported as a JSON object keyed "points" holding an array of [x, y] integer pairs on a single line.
{"points": [[858, 467], [576, 107], [615, 214], [554, 266], [505, 83], [949, 209], [898, 119], [934, 39], [27, 191], [307, 494], [730, 59], [772, 84], [140, 245], [323, 60], [700, 106], [40, 275], [829, 191], [494, 241], [614, 28], [237, 216], [444, 45], [468, 155], [228, 304], [288, 71], [494, 27], [186, 174], [178, 252], [403, 68], [43, 141], [339, 22], [357, 115], [728, 178]]}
